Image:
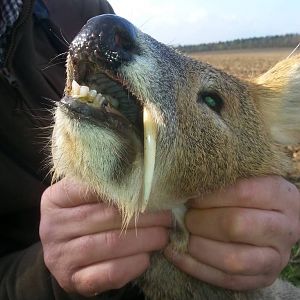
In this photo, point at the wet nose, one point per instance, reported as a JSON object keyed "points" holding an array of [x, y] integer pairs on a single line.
{"points": [[107, 39]]}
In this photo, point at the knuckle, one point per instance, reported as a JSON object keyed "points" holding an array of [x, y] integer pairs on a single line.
{"points": [[50, 196], [49, 229], [86, 283], [83, 283], [110, 213], [80, 213], [112, 239], [235, 225], [55, 260], [86, 243]]}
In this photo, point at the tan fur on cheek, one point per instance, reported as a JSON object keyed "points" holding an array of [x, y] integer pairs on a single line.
{"points": [[75, 150]]}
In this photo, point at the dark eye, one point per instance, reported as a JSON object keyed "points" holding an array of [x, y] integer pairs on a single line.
{"points": [[212, 100]]}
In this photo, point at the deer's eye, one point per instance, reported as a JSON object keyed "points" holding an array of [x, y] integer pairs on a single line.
{"points": [[212, 100]]}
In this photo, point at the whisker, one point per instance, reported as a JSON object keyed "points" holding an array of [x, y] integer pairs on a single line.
{"points": [[61, 39], [53, 65], [294, 50], [64, 38], [58, 56], [147, 21]]}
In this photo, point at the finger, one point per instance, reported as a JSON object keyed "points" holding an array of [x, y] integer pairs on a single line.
{"points": [[235, 259], [262, 193], [68, 193], [110, 245], [99, 217], [237, 225], [109, 275], [214, 276]]}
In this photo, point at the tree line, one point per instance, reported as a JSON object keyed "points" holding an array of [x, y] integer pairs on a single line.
{"points": [[276, 41]]}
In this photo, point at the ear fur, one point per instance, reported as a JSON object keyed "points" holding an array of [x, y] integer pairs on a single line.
{"points": [[278, 99]]}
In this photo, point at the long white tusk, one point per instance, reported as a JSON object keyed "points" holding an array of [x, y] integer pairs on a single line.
{"points": [[150, 135]]}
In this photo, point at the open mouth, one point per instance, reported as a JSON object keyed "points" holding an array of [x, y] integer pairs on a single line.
{"points": [[97, 96], [94, 95]]}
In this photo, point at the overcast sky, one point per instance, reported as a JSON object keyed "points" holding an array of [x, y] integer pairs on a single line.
{"points": [[202, 21]]}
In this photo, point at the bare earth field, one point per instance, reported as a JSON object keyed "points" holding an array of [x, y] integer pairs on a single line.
{"points": [[248, 64], [244, 63]]}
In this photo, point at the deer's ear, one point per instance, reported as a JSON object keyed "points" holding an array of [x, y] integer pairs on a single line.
{"points": [[278, 99]]}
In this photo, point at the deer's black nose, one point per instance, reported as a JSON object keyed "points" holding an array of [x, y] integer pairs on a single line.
{"points": [[107, 39]]}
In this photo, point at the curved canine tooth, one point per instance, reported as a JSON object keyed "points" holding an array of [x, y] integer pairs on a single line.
{"points": [[150, 135], [84, 91], [75, 88]]}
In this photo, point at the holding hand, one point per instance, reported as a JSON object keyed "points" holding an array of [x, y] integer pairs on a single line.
{"points": [[84, 247], [241, 237]]}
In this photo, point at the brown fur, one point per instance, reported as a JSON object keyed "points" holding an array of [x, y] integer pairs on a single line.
{"points": [[198, 150]]}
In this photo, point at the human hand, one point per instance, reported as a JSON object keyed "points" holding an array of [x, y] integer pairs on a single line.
{"points": [[83, 245], [241, 236]]}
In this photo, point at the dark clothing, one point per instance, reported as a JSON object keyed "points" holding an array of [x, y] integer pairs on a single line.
{"points": [[30, 84], [9, 13]]}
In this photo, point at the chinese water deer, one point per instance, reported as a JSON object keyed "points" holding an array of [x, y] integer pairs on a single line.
{"points": [[148, 128]]}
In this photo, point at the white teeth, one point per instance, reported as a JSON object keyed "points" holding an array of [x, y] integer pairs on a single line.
{"points": [[84, 91], [91, 96], [100, 99], [150, 135], [75, 88]]}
